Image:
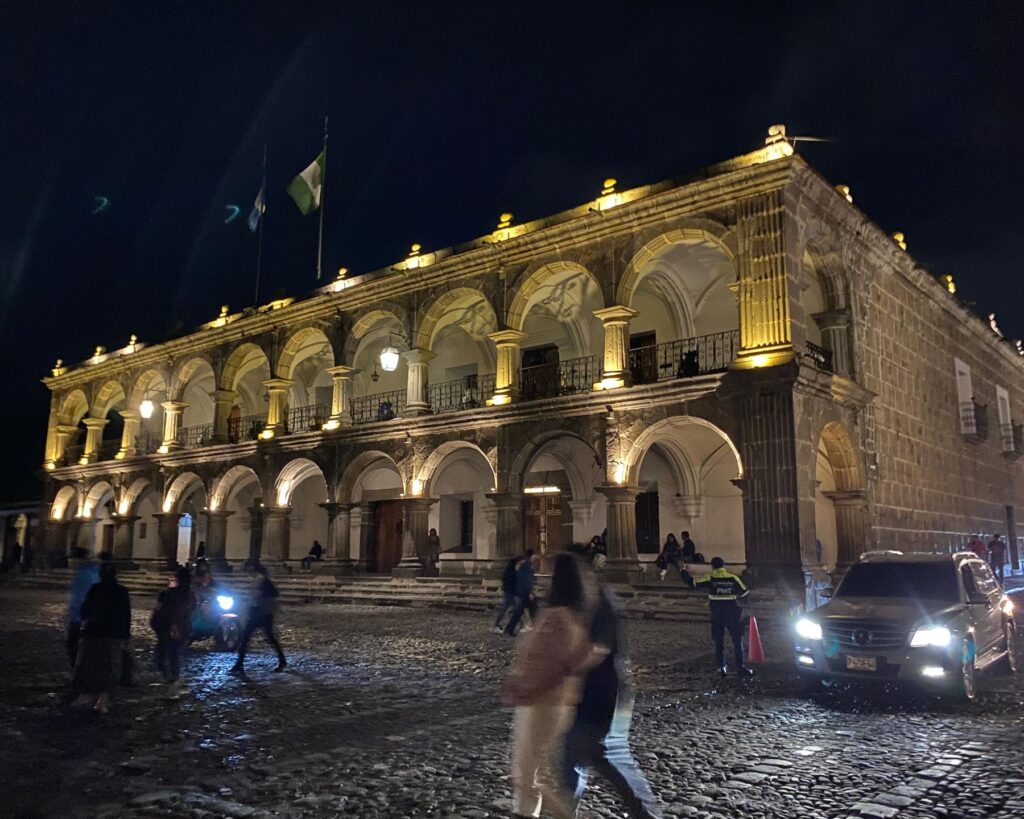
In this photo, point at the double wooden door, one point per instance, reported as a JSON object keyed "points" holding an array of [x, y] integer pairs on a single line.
{"points": [[387, 535], [544, 531]]}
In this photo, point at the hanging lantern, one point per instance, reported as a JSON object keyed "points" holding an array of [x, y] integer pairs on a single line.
{"points": [[146, 408], [389, 359]]}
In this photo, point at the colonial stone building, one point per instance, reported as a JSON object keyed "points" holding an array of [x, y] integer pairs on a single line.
{"points": [[740, 353]]}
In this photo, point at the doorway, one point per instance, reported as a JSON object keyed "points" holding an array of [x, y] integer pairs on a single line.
{"points": [[387, 535], [544, 524]]}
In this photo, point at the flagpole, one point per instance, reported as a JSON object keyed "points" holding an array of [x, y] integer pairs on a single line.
{"points": [[259, 236], [323, 196]]}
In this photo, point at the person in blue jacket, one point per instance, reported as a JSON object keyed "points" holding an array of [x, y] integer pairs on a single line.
{"points": [[87, 575]]}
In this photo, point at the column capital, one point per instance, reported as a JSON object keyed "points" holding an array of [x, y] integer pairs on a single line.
{"points": [[174, 406], [276, 511], [217, 513], [66, 429], [504, 338], [333, 508], [847, 497], [504, 500], [342, 371], [94, 423], [131, 415], [279, 384], [125, 519], [418, 355], [616, 314], [224, 395], [619, 494], [168, 515]]}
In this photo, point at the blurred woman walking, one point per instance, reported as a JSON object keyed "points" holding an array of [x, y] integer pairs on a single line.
{"points": [[106, 627]]}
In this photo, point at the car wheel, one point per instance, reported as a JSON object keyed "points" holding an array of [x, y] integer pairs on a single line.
{"points": [[963, 687], [1009, 663]]}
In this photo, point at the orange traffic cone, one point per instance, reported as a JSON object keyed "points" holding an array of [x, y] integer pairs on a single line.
{"points": [[755, 652]]}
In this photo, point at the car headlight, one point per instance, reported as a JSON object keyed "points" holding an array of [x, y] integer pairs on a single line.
{"points": [[808, 629], [225, 602], [938, 636]]}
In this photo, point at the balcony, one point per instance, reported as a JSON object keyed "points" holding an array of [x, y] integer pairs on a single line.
{"points": [[309, 418], [569, 377], [245, 428], [382, 406], [1012, 439], [469, 392], [973, 421], [146, 444], [196, 436], [821, 357], [683, 358]]}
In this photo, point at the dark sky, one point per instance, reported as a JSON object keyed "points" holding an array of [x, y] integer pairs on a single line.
{"points": [[442, 116]]}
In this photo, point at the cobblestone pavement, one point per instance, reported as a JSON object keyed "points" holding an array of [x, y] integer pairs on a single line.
{"points": [[393, 712]]}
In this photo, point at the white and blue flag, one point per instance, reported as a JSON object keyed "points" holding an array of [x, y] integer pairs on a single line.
{"points": [[259, 206]]}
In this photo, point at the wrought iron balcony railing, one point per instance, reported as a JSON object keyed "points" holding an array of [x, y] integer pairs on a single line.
{"points": [[108, 449], [469, 392], [309, 418], [146, 444], [683, 358], [1012, 439], [973, 421], [382, 406], [196, 436], [245, 428], [567, 377], [821, 357]]}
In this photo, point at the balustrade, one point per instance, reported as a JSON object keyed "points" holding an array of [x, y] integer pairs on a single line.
{"points": [[382, 406], [574, 375], [245, 428], [309, 418], [468, 392], [821, 357], [683, 358], [196, 436]]}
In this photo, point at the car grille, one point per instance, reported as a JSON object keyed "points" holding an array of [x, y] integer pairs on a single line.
{"points": [[863, 635]]}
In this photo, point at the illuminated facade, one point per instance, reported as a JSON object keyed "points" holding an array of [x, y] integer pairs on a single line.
{"points": [[741, 354]]}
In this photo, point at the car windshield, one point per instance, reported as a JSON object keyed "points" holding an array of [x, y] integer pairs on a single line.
{"points": [[932, 581]]}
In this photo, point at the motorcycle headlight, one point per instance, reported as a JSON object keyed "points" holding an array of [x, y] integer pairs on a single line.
{"points": [[225, 602], [808, 629], [938, 636]]}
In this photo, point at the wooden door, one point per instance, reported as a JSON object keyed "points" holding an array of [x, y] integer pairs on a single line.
{"points": [[544, 533], [387, 526]]}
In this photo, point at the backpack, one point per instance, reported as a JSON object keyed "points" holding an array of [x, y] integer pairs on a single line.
{"points": [[508, 577]]}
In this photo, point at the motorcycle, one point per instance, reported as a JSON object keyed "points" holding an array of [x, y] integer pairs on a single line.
{"points": [[214, 617]]}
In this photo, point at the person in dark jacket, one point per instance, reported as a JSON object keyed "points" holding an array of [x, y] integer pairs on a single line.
{"points": [[725, 591], [87, 575], [599, 736], [508, 589], [172, 622], [106, 626], [525, 598], [262, 610]]}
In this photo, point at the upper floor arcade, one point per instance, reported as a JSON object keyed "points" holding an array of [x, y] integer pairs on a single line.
{"points": [[636, 288]]}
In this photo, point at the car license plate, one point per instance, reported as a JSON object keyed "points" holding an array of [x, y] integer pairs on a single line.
{"points": [[861, 664]]}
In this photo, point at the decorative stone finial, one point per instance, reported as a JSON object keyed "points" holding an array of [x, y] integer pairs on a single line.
{"points": [[844, 190], [100, 350], [900, 239], [224, 311], [948, 283], [609, 186], [994, 325], [415, 251], [504, 221], [342, 272]]}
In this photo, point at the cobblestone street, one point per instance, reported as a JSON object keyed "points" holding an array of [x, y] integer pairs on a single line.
{"points": [[394, 712]]}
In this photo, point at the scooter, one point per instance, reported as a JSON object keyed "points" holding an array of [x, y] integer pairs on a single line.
{"points": [[214, 617]]}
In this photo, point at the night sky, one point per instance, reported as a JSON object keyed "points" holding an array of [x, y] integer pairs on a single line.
{"points": [[443, 116]]}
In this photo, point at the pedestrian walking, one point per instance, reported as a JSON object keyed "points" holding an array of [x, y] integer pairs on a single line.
{"points": [[997, 556], [526, 599], [508, 589], [599, 736], [86, 575], [544, 689], [263, 604], [172, 622], [977, 545], [725, 590], [106, 627]]}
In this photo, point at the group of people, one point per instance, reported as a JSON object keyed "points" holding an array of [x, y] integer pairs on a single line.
{"points": [[99, 625], [677, 556], [994, 552]]}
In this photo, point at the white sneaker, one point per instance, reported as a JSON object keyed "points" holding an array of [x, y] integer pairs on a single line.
{"points": [[176, 689], [663, 573], [498, 630], [526, 628]]}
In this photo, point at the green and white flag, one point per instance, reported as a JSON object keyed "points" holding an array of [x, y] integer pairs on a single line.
{"points": [[307, 188]]}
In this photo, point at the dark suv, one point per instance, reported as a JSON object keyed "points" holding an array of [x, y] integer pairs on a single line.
{"points": [[932, 620]]}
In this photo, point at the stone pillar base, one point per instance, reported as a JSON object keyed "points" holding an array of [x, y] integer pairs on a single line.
{"points": [[409, 568], [622, 571]]}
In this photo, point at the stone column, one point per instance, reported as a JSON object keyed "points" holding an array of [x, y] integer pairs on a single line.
{"points": [[276, 534], [508, 524], [93, 438], [506, 379], [616, 345], [415, 514], [341, 411], [124, 538], [255, 532], [623, 565], [417, 362], [132, 419], [277, 409], [365, 559], [835, 330], [217, 539], [338, 537], [851, 524], [763, 281], [223, 401], [63, 434], [75, 533], [167, 536], [582, 512], [173, 411]]}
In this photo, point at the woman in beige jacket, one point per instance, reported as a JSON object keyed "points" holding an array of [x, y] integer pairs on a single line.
{"points": [[545, 688]]}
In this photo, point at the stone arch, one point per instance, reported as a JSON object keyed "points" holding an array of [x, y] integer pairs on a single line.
{"points": [[531, 286], [65, 501], [240, 359], [179, 490], [369, 319], [150, 381], [131, 494], [580, 487], [698, 230], [294, 473], [299, 341], [465, 306], [73, 408], [628, 468], [842, 455], [361, 464], [445, 454], [190, 369], [228, 482], [840, 497], [107, 397], [96, 493]]}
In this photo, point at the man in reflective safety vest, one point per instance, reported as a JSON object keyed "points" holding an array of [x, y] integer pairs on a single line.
{"points": [[725, 590]]}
